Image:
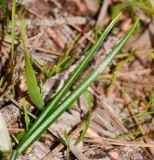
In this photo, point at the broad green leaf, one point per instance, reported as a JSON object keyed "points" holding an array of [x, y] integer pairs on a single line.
{"points": [[20, 135], [32, 87], [56, 112]]}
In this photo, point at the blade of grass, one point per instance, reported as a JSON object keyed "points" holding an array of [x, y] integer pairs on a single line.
{"points": [[72, 79], [33, 89], [13, 31], [26, 117], [1, 81], [64, 105], [144, 5], [84, 131]]}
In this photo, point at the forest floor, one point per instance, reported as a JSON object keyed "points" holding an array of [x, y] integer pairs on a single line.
{"points": [[121, 122]]}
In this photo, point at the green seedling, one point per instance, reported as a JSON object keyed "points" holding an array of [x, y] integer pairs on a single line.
{"points": [[132, 5], [57, 110], [72, 78]]}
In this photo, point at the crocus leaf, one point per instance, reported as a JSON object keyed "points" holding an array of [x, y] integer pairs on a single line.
{"points": [[72, 78]]}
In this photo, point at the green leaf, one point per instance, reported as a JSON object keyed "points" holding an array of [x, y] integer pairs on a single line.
{"points": [[1, 81], [118, 8], [147, 8], [89, 103], [33, 89], [152, 55], [26, 117], [144, 5], [72, 79], [20, 135]]}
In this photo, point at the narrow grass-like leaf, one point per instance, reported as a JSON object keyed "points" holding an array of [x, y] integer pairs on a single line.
{"points": [[1, 81], [64, 105], [72, 79], [33, 89], [26, 117], [84, 131], [13, 31], [144, 5]]}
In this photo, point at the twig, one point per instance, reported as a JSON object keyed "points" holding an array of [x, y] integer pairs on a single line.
{"points": [[103, 140], [86, 35]]}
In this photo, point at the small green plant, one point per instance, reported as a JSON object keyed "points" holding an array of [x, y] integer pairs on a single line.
{"points": [[73, 78], [32, 87], [63, 63], [54, 112], [132, 5]]}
